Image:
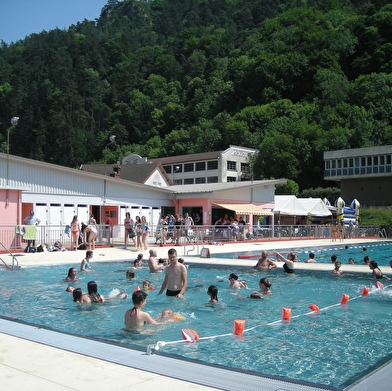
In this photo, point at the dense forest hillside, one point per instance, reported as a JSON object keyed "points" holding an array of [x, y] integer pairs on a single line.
{"points": [[168, 77]]}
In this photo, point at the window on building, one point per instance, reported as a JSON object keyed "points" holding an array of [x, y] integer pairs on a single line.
{"points": [[351, 162], [327, 164], [168, 169], [363, 162], [339, 163], [231, 179], [177, 168], [212, 179], [333, 163], [200, 166], [375, 160], [177, 182], [231, 165], [244, 167], [369, 161], [188, 167], [388, 159], [200, 180], [212, 165], [188, 181], [382, 160]]}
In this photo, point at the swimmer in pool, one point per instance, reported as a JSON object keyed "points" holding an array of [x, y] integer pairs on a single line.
{"points": [[311, 258], [336, 271], [146, 286], [85, 265], [373, 266], [288, 265], [265, 289], [212, 291], [176, 277], [168, 315], [135, 317], [265, 263], [235, 283], [72, 275]]}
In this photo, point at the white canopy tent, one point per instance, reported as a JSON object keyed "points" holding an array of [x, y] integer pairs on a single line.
{"points": [[315, 207], [289, 205], [293, 206]]}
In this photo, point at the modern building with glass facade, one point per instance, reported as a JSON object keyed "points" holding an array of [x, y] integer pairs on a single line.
{"points": [[364, 173]]}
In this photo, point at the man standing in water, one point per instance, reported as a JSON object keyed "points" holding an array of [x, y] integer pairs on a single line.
{"points": [[176, 278]]}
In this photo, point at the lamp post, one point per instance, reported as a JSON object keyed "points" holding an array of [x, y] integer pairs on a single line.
{"points": [[14, 122], [176, 169], [111, 138]]}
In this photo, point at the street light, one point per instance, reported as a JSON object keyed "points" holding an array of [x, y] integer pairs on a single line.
{"points": [[111, 138], [176, 169], [14, 122]]}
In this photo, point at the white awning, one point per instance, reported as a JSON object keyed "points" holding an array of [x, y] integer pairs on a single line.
{"points": [[245, 209]]}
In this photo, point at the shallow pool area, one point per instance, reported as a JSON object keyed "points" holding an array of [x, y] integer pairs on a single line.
{"points": [[334, 347], [381, 252]]}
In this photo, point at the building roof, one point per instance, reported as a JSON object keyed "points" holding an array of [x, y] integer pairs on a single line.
{"points": [[130, 172], [203, 156], [223, 186], [187, 158]]}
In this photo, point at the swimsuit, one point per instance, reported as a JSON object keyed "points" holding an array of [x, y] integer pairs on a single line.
{"points": [[172, 293], [74, 231], [95, 298]]}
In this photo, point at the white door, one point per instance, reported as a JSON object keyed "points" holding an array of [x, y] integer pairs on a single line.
{"points": [[83, 214], [55, 214]]}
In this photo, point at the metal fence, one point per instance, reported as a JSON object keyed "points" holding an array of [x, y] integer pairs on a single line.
{"points": [[200, 234]]}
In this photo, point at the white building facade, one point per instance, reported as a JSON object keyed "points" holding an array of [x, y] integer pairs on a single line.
{"points": [[231, 165]]}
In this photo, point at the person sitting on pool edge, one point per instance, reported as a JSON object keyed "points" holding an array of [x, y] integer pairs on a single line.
{"points": [[135, 317], [234, 283], [288, 265], [264, 286]]}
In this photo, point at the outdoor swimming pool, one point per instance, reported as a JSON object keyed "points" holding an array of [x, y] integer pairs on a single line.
{"points": [[381, 252], [334, 347]]}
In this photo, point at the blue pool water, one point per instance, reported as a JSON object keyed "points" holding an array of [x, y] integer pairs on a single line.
{"points": [[334, 347], [380, 252]]}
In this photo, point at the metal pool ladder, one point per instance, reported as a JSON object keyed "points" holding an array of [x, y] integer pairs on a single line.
{"points": [[14, 264]]}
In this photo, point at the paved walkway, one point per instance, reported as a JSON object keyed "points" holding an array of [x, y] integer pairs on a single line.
{"points": [[27, 364]]}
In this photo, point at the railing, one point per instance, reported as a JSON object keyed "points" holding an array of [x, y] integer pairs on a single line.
{"points": [[14, 262], [383, 234], [201, 235]]}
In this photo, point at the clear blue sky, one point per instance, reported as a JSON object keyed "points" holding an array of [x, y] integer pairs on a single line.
{"points": [[19, 18]]}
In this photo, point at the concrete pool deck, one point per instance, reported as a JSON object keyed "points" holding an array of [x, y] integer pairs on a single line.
{"points": [[38, 359]]}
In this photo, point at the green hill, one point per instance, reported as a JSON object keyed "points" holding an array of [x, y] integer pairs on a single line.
{"points": [[291, 78]]}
